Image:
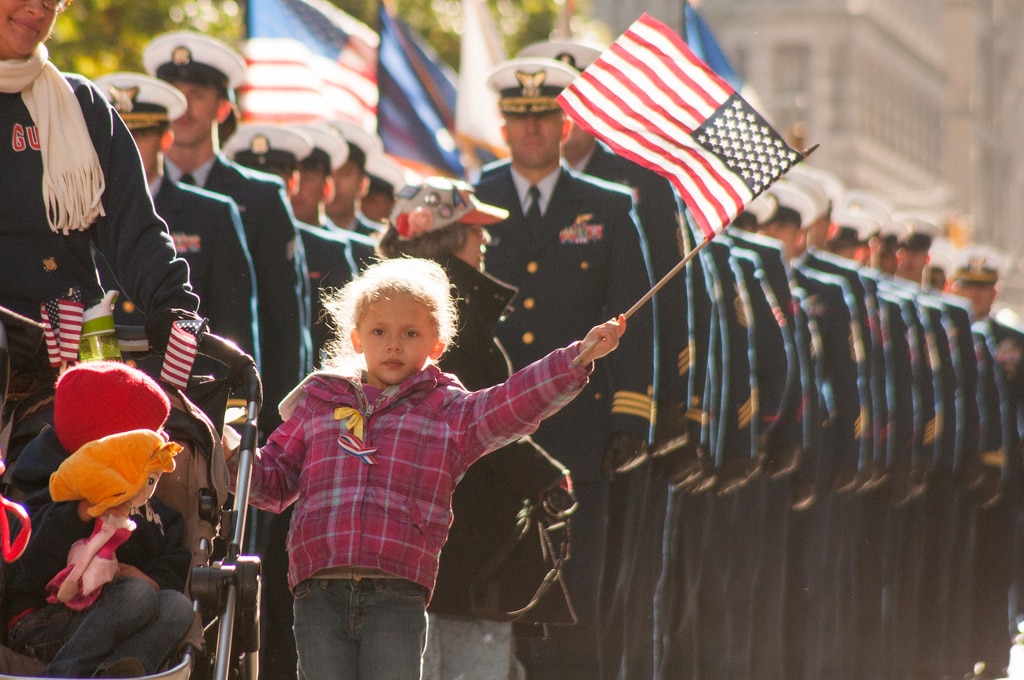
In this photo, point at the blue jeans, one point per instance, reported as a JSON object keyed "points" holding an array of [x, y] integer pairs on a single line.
{"points": [[371, 629], [128, 619]]}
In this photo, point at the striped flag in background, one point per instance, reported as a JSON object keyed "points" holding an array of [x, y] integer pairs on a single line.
{"points": [[181, 352], [62, 326], [653, 101], [308, 60]]}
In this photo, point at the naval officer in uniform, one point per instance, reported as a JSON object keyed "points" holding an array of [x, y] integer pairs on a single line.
{"points": [[573, 248]]}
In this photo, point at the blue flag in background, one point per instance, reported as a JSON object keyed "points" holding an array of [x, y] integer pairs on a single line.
{"points": [[701, 40], [416, 108]]}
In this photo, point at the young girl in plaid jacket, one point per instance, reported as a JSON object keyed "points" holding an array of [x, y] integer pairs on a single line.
{"points": [[370, 451]]}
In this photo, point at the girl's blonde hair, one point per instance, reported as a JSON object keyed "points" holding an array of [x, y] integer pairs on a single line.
{"points": [[422, 280]]}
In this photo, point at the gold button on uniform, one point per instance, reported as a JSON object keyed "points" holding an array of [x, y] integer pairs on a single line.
{"points": [[527, 338], [531, 267], [528, 303], [584, 265]]}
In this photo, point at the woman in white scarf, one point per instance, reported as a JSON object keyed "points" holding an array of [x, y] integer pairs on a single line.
{"points": [[72, 177]]}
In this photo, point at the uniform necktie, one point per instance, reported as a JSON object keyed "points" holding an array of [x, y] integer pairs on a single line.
{"points": [[187, 178], [533, 214]]}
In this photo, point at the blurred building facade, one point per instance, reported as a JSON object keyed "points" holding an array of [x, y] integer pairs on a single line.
{"points": [[920, 100]]}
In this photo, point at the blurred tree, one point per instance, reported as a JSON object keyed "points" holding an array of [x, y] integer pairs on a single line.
{"points": [[93, 37], [520, 22], [99, 36]]}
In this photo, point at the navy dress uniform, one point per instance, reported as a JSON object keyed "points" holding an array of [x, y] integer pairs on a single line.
{"points": [[831, 306], [846, 368], [658, 211], [274, 244], [871, 465], [996, 529], [206, 227], [947, 511], [583, 258], [633, 565], [994, 525]]}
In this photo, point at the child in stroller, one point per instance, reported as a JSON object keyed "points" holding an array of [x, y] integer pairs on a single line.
{"points": [[130, 625], [197, 488]]}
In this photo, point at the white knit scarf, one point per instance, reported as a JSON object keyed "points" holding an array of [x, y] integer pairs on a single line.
{"points": [[72, 177]]}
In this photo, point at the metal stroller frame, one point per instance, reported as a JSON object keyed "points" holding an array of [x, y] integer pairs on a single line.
{"points": [[225, 592]]}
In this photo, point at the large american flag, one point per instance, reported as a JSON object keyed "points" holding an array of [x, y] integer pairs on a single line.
{"points": [[308, 60], [653, 101]]}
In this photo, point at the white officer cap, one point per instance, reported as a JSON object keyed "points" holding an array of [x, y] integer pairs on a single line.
{"points": [[383, 170], [979, 263], [575, 53], [330, 150], [273, 148], [142, 101], [438, 202], [919, 228], [814, 188], [942, 255], [762, 208], [362, 144], [795, 203], [828, 182], [185, 56], [530, 84], [872, 206], [855, 224]]}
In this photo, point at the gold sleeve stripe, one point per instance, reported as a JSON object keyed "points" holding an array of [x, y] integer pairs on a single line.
{"points": [[633, 404], [745, 413], [993, 458], [929, 431], [683, 361], [695, 414]]}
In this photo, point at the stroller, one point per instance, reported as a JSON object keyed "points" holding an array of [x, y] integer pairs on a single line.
{"points": [[224, 640]]}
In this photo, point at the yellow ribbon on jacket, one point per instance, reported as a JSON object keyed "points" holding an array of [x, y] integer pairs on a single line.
{"points": [[353, 420]]}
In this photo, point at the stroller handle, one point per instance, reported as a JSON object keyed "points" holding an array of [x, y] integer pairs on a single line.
{"points": [[242, 367]]}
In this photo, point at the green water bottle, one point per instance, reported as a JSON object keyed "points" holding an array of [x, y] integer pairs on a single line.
{"points": [[99, 338]]}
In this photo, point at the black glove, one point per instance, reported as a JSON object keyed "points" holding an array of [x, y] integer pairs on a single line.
{"points": [[158, 326], [24, 339], [622, 453]]}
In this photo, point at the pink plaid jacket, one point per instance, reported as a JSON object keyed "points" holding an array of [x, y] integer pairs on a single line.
{"points": [[393, 514]]}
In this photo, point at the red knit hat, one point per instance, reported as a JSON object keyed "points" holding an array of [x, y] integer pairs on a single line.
{"points": [[100, 398]]}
